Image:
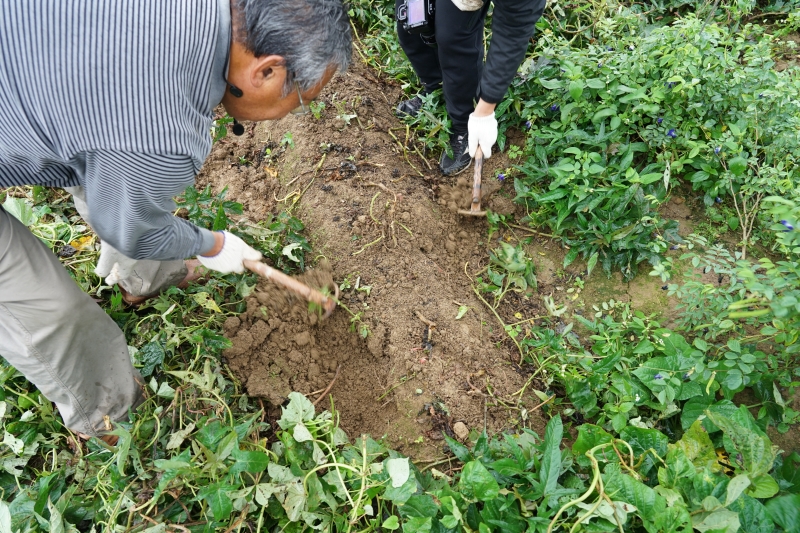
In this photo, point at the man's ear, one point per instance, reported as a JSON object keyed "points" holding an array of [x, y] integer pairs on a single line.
{"points": [[267, 69]]}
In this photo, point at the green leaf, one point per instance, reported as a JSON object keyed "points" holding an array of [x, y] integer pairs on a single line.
{"points": [[756, 450], [764, 486], [398, 471], [737, 166], [216, 495], [551, 455], [419, 505], [699, 449], [736, 487], [418, 525], [589, 436], [643, 440], [719, 521], [293, 500], [592, 262], [248, 461], [753, 515], [300, 433], [477, 483], [299, 410], [20, 209], [150, 355], [391, 523], [785, 511], [462, 310], [648, 503], [576, 89]]}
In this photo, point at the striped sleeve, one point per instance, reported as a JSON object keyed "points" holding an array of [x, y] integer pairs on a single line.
{"points": [[130, 200]]}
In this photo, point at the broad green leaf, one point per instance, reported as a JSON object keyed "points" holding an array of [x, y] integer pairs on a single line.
{"points": [[398, 471], [264, 491], [785, 511], [753, 515], [764, 486], [477, 483], [418, 525], [736, 487], [625, 488], [589, 436], [576, 89], [462, 310], [293, 500], [419, 505], [20, 209], [216, 495], [737, 166], [697, 446], [300, 409], [643, 440], [248, 461], [757, 452], [177, 438], [301, 433], [391, 523], [551, 455], [719, 521]]}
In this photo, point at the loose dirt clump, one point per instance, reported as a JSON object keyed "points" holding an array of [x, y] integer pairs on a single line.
{"points": [[280, 345]]}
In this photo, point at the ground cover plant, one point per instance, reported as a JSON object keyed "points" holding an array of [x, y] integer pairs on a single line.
{"points": [[619, 108]]}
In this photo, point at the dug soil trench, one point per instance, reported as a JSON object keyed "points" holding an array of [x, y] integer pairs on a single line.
{"points": [[383, 222]]}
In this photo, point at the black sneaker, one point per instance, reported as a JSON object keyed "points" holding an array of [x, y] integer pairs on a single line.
{"points": [[460, 159], [409, 107]]}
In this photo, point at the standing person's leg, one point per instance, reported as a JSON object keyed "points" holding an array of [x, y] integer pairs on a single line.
{"points": [[60, 339], [147, 278], [425, 61], [459, 35]]}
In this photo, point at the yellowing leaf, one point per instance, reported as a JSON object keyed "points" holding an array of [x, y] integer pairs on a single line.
{"points": [[203, 299], [84, 243]]}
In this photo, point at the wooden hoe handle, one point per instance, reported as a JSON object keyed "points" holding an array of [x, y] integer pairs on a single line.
{"points": [[325, 302]]}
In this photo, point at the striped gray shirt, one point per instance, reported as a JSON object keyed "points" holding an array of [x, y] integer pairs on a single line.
{"points": [[116, 96]]}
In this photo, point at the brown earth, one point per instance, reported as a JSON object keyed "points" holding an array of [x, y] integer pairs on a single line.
{"points": [[383, 221]]}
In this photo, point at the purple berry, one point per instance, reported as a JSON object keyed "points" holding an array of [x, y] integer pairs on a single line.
{"points": [[528, 125], [659, 120], [671, 133], [718, 200], [658, 376], [554, 107], [600, 64], [501, 177], [717, 150]]}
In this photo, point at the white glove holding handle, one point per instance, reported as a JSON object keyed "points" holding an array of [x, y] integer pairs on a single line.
{"points": [[112, 265], [483, 132], [232, 256]]}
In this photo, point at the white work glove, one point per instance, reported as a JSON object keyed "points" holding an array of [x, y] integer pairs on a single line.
{"points": [[483, 132], [112, 265], [231, 257]]}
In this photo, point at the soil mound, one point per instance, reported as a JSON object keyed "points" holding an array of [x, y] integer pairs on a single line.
{"points": [[383, 218]]}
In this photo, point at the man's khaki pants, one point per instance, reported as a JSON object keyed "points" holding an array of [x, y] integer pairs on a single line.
{"points": [[61, 340]]}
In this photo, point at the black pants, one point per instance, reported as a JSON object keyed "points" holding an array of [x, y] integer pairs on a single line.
{"points": [[456, 64]]}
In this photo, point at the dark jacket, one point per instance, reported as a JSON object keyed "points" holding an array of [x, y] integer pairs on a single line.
{"points": [[513, 23]]}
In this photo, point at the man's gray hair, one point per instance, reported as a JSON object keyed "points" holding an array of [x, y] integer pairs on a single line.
{"points": [[311, 36]]}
